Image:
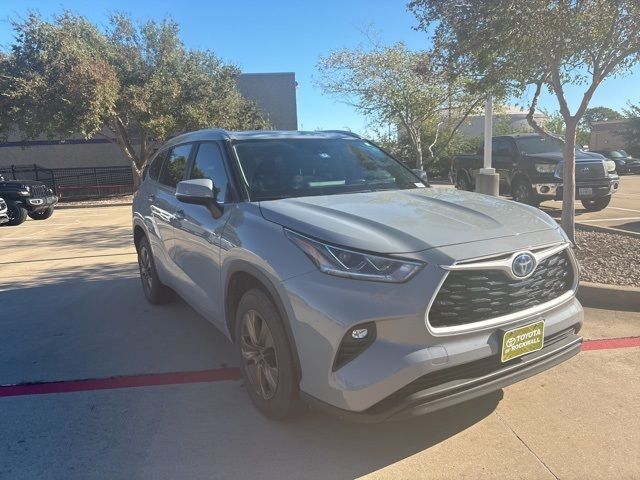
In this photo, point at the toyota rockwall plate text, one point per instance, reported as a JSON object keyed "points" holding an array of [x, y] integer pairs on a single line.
{"points": [[345, 281]]}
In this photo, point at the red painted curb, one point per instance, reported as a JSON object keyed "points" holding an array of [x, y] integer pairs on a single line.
{"points": [[611, 343], [214, 375]]}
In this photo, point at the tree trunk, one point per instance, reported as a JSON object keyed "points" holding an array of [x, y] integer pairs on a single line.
{"points": [[569, 179], [419, 164], [137, 177]]}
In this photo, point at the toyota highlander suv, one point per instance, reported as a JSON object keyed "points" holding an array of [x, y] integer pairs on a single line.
{"points": [[346, 282]]}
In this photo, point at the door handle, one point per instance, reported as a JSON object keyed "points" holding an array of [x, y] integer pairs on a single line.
{"points": [[151, 197]]}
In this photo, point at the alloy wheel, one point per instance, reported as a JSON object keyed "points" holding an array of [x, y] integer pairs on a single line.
{"points": [[145, 268], [259, 354]]}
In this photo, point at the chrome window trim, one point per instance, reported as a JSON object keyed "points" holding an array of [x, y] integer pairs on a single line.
{"points": [[541, 253]]}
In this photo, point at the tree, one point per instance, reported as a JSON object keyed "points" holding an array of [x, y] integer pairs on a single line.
{"points": [[600, 114], [392, 85], [632, 133], [544, 43], [138, 81]]}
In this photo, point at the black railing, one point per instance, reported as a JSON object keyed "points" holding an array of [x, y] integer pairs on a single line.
{"points": [[76, 183]]}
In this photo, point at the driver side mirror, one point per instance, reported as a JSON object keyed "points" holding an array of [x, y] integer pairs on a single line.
{"points": [[200, 191]]}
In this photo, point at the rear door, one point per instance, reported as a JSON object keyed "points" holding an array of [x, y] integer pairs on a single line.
{"points": [[163, 201], [502, 159], [197, 234]]}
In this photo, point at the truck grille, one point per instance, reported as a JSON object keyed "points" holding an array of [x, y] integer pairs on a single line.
{"points": [[473, 296], [589, 171], [38, 191]]}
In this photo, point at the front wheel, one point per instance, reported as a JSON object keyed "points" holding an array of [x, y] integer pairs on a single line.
{"points": [[596, 204], [17, 214], [522, 192], [266, 357], [42, 215], [463, 182], [155, 291]]}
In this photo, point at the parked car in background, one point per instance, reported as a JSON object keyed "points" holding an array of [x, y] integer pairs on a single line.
{"points": [[625, 163], [345, 281], [530, 168], [4, 217], [27, 198]]}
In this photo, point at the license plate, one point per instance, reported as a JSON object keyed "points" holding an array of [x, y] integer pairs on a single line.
{"points": [[585, 191], [522, 340]]}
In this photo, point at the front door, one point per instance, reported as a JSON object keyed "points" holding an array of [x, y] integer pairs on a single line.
{"points": [[197, 235]]}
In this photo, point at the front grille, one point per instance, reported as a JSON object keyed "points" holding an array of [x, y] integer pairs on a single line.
{"points": [[589, 171], [466, 371], [472, 296], [38, 191]]}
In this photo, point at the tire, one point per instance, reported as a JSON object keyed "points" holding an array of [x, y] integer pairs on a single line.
{"points": [[42, 215], [596, 204], [156, 292], [463, 182], [522, 192], [17, 214], [265, 356]]}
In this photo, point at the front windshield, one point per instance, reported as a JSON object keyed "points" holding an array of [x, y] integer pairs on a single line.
{"points": [[619, 154], [534, 145], [282, 168]]}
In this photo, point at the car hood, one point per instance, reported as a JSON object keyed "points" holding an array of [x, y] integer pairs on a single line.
{"points": [[557, 157], [401, 221]]}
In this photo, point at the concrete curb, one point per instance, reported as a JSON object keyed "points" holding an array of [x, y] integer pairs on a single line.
{"points": [[90, 205], [600, 228], [609, 297]]}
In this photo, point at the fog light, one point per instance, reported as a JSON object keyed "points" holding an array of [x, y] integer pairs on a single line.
{"points": [[615, 186], [544, 189], [359, 333]]}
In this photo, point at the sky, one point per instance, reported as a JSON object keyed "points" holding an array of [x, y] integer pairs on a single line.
{"points": [[289, 36]]}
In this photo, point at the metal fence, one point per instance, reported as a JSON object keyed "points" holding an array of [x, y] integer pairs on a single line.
{"points": [[76, 183]]}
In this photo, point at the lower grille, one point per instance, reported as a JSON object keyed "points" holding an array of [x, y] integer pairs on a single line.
{"points": [[473, 296], [466, 371]]}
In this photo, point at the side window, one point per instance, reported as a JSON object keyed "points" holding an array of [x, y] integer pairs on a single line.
{"points": [[503, 147], [156, 165], [210, 164], [175, 165]]}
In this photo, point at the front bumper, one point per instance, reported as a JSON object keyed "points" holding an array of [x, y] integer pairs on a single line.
{"points": [[466, 382], [322, 308], [584, 190], [4, 218], [38, 204]]}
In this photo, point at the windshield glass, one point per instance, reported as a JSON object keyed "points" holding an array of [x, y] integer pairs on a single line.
{"points": [[281, 168], [619, 154], [533, 145]]}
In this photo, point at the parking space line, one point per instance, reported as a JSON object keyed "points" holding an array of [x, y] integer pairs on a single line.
{"points": [[203, 376], [625, 209], [608, 219]]}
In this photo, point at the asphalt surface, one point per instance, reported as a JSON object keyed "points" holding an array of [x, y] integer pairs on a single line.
{"points": [[72, 308]]}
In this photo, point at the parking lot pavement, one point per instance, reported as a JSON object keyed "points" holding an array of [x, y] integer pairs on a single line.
{"points": [[622, 213], [71, 308]]}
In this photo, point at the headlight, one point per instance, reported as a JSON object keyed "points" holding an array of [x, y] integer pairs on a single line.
{"points": [[348, 263], [546, 167], [610, 165]]}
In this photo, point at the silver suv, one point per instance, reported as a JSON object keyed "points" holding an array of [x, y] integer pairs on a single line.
{"points": [[345, 280]]}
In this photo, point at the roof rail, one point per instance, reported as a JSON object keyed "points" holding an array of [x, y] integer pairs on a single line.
{"points": [[344, 132]]}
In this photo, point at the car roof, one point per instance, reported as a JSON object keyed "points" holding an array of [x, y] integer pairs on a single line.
{"points": [[220, 134]]}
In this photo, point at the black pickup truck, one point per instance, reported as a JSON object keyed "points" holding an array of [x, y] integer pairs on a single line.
{"points": [[27, 198], [530, 168]]}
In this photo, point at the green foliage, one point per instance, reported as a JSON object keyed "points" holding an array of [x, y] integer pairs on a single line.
{"points": [[393, 86], [632, 134], [65, 77], [600, 114], [555, 125]]}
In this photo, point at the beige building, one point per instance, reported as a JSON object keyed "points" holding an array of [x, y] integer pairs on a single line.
{"points": [[509, 118], [608, 135]]}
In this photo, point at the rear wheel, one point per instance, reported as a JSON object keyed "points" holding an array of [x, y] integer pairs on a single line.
{"points": [[266, 358], [155, 291], [17, 214], [463, 182], [42, 215], [596, 204], [522, 192]]}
